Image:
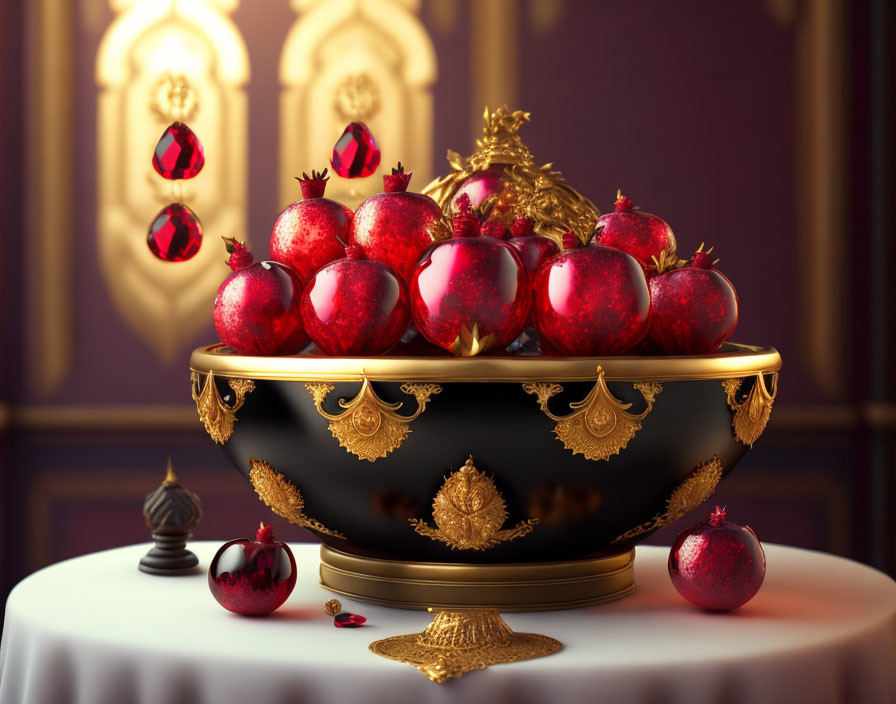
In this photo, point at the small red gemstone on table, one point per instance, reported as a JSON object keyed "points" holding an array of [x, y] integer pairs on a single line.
{"points": [[347, 620], [179, 154], [356, 154], [175, 234]]}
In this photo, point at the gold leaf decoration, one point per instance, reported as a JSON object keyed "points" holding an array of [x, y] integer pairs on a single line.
{"points": [[599, 426], [283, 497], [458, 642], [469, 511], [216, 415], [468, 343], [751, 415], [538, 191], [370, 428], [696, 488]]}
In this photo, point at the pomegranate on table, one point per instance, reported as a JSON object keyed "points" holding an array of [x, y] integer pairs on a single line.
{"points": [[394, 227], [253, 577], [313, 231], [591, 300], [470, 293], [642, 235], [717, 565], [694, 307], [257, 307], [355, 306], [479, 186]]}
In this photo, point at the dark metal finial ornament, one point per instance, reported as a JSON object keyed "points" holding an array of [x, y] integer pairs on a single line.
{"points": [[172, 512]]}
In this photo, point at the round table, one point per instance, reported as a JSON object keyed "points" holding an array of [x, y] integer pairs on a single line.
{"points": [[96, 630]]}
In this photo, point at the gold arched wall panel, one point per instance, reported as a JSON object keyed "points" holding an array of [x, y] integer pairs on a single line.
{"points": [[367, 60], [160, 61]]}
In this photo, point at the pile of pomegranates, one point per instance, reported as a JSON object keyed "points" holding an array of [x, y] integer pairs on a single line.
{"points": [[373, 281]]}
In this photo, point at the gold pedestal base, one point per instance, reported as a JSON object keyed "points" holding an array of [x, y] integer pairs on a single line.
{"points": [[540, 586]]}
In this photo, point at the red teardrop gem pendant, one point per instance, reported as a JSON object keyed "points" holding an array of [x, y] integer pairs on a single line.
{"points": [[176, 234], [178, 154], [356, 154]]}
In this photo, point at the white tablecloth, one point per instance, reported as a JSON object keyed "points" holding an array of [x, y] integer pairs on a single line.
{"points": [[98, 631]]}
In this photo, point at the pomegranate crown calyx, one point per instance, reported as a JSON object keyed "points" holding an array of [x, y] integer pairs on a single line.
{"points": [[397, 181], [522, 227], [623, 203], [463, 204], [264, 534], [354, 251], [313, 186], [240, 256], [718, 517], [494, 228], [702, 259], [570, 240]]}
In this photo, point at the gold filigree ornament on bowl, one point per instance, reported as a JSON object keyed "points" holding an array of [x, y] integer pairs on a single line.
{"points": [[514, 483]]}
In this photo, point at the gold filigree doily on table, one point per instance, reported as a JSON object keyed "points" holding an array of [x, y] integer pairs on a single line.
{"points": [[461, 641]]}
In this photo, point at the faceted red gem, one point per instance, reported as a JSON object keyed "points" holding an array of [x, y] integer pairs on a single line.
{"points": [[176, 234], [347, 620], [178, 154], [356, 154]]}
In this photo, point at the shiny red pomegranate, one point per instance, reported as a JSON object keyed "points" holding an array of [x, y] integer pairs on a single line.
{"points": [[591, 300], [394, 227], [313, 231], [481, 185], [642, 235], [534, 250], [257, 308], [694, 307], [470, 293], [717, 565], [355, 306], [253, 578]]}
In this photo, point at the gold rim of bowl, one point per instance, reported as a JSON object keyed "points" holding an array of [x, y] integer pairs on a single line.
{"points": [[733, 360]]}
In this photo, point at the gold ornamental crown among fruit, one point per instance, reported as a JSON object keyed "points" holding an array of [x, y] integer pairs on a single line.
{"points": [[539, 192]]}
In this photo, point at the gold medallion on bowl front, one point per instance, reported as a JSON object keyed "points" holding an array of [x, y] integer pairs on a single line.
{"points": [[458, 642], [751, 414], [469, 511], [370, 428], [216, 415], [283, 497], [599, 426], [696, 488], [537, 191]]}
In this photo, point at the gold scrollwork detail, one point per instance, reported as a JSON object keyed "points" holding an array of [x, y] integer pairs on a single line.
{"points": [[538, 191], [751, 415], [356, 98], [696, 488], [283, 497], [216, 415], [600, 425], [370, 428], [469, 511]]}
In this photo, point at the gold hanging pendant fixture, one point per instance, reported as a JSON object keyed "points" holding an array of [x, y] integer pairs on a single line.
{"points": [[696, 488], [537, 191], [370, 428], [600, 425], [469, 511], [283, 497], [458, 642], [751, 415], [216, 415]]}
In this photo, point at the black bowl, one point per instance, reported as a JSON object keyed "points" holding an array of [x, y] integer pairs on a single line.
{"points": [[446, 481]]}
